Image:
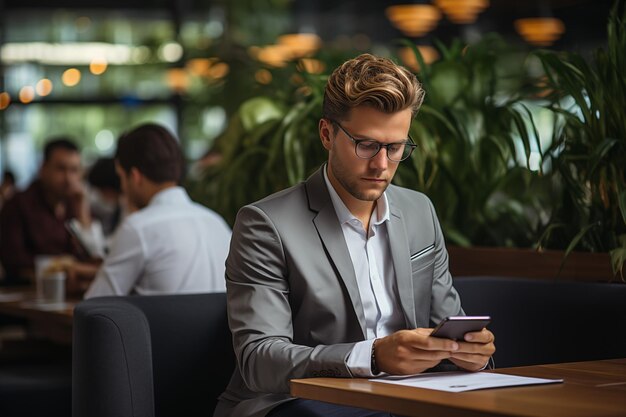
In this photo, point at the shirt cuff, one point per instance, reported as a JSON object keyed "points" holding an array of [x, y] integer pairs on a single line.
{"points": [[489, 365], [359, 360]]}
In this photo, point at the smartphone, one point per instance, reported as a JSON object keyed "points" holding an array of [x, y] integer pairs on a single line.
{"points": [[455, 327]]}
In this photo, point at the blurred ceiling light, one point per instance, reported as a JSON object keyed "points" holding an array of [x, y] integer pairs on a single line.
{"points": [[43, 87], [199, 66], [300, 44], [139, 55], [71, 77], [177, 79], [462, 11], [413, 20], [312, 66], [105, 139], [5, 100], [409, 59], [263, 76], [540, 31], [27, 94], [219, 70], [171, 52], [272, 55], [74, 53], [98, 66]]}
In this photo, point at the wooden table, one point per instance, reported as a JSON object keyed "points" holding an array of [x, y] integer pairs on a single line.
{"points": [[590, 389], [55, 324]]}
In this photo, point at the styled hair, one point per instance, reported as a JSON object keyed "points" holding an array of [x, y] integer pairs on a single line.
{"points": [[371, 81], [53, 144], [153, 151], [102, 175]]}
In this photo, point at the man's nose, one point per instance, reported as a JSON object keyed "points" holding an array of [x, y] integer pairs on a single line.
{"points": [[380, 160]]}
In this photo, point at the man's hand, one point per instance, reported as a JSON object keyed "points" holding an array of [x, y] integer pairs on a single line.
{"points": [[80, 202], [412, 351], [474, 353]]}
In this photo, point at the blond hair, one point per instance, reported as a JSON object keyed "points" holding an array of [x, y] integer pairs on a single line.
{"points": [[371, 81]]}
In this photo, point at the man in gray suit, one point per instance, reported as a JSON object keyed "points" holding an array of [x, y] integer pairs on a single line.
{"points": [[343, 275]]}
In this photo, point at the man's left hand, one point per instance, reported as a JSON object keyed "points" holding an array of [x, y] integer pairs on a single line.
{"points": [[474, 353]]}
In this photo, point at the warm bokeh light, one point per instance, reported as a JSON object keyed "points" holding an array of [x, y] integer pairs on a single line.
{"points": [[71, 77], [312, 66], [263, 76], [43, 87], [462, 11], [98, 66], [300, 44], [409, 59], [413, 20], [177, 79], [272, 55], [27, 94], [199, 66], [540, 31], [5, 100], [219, 70]]}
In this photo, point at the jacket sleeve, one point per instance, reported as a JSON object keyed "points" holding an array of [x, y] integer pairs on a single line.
{"points": [[260, 313]]}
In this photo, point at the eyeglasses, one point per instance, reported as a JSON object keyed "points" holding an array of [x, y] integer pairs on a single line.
{"points": [[369, 148]]}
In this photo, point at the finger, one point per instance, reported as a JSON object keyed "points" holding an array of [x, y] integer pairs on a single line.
{"points": [[470, 366], [476, 348], [436, 344], [470, 358], [483, 336]]}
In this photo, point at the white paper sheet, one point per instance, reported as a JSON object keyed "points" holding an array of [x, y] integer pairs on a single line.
{"points": [[463, 381]]}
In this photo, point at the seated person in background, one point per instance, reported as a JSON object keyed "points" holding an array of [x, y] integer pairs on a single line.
{"points": [[106, 205], [33, 222], [170, 244], [7, 188], [344, 274], [105, 194]]}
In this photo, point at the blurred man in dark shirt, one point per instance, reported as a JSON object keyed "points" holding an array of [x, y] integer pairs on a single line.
{"points": [[33, 222]]}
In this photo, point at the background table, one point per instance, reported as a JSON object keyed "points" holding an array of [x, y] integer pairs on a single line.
{"points": [[596, 388], [55, 323]]}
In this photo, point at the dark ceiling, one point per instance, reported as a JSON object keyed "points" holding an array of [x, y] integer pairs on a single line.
{"points": [[585, 20]]}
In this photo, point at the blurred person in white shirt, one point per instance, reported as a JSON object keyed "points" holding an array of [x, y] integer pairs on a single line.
{"points": [[170, 244]]}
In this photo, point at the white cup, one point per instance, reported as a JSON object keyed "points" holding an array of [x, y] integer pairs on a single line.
{"points": [[42, 262], [53, 287]]}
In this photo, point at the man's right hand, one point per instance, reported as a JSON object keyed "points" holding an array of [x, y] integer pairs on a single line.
{"points": [[411, 351]]}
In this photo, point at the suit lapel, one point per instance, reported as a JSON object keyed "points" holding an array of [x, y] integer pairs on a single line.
{"points": [[330, 233], [400, 255]]}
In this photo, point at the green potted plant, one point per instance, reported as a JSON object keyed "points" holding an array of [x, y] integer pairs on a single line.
{"points": [[589, 147]]}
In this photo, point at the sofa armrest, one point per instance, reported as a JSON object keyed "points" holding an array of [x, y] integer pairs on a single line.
{"points": [[112, 360]]}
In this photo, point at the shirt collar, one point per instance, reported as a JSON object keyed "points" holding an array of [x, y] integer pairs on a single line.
{"points": [[380, 215], [170, 195]]}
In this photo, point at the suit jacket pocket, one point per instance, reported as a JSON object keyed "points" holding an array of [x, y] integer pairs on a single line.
{"points": [[423, 258]]}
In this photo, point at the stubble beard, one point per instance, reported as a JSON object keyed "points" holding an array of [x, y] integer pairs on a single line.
{"points": [[352, 185]]}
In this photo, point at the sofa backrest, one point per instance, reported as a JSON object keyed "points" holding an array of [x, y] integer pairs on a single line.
{"points": [[150, 356], [546, 321]]}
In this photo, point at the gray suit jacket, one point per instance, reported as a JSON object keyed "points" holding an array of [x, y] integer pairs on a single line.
{"points": [[293, 304]]}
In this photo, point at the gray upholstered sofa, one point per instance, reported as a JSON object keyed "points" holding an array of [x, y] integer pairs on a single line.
{"points": [[171, 355]]}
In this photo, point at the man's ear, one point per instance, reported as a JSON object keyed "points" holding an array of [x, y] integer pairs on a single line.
{"points": [[326, 133], [136, 176]]}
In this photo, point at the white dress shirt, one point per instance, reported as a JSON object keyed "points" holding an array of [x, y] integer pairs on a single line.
{"points": [[376, 278], [173, 245]]}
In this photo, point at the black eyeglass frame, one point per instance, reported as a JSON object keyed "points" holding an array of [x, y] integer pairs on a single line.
{"points": [[412, 145]]}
